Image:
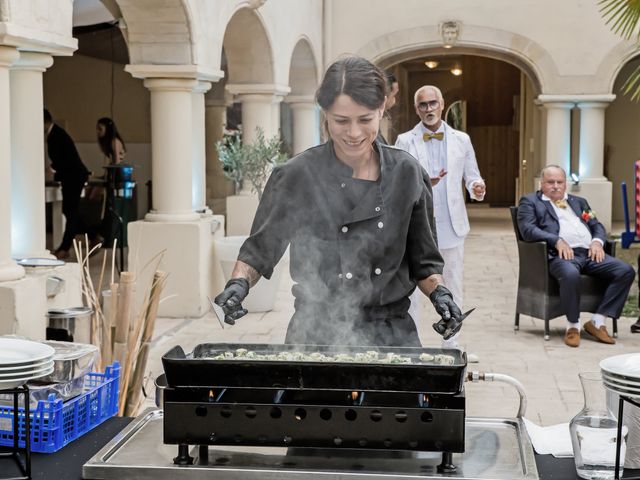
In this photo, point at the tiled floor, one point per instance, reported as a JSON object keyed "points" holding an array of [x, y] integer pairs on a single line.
{"points": [[548, 370]]}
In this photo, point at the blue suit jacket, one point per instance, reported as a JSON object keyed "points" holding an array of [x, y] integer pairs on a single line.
{"points": [[537, 220]]}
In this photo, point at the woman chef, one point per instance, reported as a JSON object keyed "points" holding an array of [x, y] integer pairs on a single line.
{"points": [[358, 218]]}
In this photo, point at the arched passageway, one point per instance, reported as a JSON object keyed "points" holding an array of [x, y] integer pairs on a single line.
{"points": [[494, 102]]}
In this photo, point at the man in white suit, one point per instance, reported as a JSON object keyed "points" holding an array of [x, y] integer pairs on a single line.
{"points": [[448, 157]]}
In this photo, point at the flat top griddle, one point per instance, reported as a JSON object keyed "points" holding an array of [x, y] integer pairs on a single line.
{"points": [[198, 369]]}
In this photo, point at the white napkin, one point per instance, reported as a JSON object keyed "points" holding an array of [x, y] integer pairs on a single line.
{"points": [[598, 445], [554, 440]]}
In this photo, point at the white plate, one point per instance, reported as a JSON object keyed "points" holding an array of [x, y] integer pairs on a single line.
{"points": [[26, 368], [622, 392], [620, 379], [621, 385], [627, 365], [14, 352], [34, 372], [16, 382], [40, 262]]}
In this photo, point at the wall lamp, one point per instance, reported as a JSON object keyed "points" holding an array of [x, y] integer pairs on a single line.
{"points": [[575, 181]]}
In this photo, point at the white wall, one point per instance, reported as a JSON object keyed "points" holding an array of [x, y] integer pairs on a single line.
{"points": [[566, 41]]}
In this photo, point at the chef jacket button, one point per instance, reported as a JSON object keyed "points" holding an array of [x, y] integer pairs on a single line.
{"points": [[339, 275], [377, 209], [380, 224], [343, 184], [377, 271], [345, 229], [349, 275]]}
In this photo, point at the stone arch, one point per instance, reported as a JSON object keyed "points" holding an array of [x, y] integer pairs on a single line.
{"points": [[509, 47], [610, 67], [159, 34], [303, 69], [249, 57]]}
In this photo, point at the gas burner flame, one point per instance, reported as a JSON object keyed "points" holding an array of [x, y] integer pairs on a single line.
{"points": [[211, 395]]}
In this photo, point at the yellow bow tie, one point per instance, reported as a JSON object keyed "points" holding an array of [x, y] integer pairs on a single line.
{"points": [[428, 136], [560, 203]]}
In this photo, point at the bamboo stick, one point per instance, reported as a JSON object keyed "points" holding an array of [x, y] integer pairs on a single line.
{"points": [[134, 389], [110, 324], [150, 297], [123, 317]]}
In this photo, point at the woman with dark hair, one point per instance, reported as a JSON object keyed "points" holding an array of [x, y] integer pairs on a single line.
{"points": [[358, 218], [110, 141]]}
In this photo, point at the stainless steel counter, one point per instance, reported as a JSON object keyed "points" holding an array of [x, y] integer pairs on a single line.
{"points": [[496, 449]]}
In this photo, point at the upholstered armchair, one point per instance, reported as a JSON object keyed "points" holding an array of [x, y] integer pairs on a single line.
{"points": [[538, 291]]}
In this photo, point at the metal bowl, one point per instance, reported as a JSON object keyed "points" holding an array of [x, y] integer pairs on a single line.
{"points": [[71, 361]]}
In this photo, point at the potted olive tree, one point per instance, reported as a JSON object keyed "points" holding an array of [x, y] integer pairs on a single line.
{"points": [[248, 166], [249, 163]]}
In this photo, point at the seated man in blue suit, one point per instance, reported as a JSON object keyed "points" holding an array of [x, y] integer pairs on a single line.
{"points": [[575, 240]]}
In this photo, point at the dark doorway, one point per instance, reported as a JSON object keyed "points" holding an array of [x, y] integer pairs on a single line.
{"points": [[490, 90]]}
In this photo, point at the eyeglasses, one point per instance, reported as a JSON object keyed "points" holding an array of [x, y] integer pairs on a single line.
{"points": [[424, 106]]}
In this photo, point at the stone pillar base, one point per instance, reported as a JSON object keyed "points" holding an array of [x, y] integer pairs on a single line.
{"points": [[240, 212], [188, 259], [67, 278], [24, 306], [598, 194]]}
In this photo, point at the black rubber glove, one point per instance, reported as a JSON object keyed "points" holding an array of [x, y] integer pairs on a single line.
{"points": [[231, 299], [451, 321]]}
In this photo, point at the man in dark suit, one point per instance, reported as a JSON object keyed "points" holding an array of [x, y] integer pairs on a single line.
{"points": [[575, 239], [72, 175]]}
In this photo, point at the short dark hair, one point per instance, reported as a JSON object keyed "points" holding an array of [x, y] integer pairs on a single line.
{"points": [[356, 77], [391, 78], [47, 116]]}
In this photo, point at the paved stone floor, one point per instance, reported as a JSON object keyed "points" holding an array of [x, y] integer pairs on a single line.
{"points": [[548, 370]]}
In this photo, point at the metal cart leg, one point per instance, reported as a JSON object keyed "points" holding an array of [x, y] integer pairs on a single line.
{"points": [[447, 465]]}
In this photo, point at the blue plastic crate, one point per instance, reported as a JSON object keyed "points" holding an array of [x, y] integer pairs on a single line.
{"points": [[55, 423]]}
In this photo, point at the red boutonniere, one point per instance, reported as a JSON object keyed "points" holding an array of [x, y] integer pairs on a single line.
{"points": [[588, 215]]}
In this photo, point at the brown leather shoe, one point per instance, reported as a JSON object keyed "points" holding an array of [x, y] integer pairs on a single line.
{"points": [[572, 337], [598, 333], [635, 327]]}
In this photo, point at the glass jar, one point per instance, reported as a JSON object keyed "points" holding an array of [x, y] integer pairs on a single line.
{"points": [[593, 433]]}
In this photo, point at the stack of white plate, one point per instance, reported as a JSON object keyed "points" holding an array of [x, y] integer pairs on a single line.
{"points": [[23, 360], [621, 374]]}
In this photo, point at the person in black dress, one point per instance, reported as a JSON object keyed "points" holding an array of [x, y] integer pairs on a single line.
{"points": [[72, 175], [358, 218]]}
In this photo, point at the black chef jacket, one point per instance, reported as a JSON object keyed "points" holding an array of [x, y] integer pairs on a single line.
{"points": [[354, 267]]}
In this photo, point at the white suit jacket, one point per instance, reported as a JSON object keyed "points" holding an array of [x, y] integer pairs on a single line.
{"points": [[461, 166]]}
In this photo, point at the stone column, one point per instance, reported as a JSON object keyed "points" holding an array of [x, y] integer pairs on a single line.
{"points": [[305, 122], [275, 116], [217, 185], [558, 133], [256, 113], [28, 229], [592, 140], [171, 149], [199, 176], [257, 108], [9, 270]]}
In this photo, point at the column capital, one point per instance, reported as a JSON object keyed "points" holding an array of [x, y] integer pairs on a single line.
{"points": [[202, 87], [553, 105], [35, 61], [576, 98], [300, 99], [593, 105], [258, 89], [195, 72], [170, 84], [8, 55]]}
